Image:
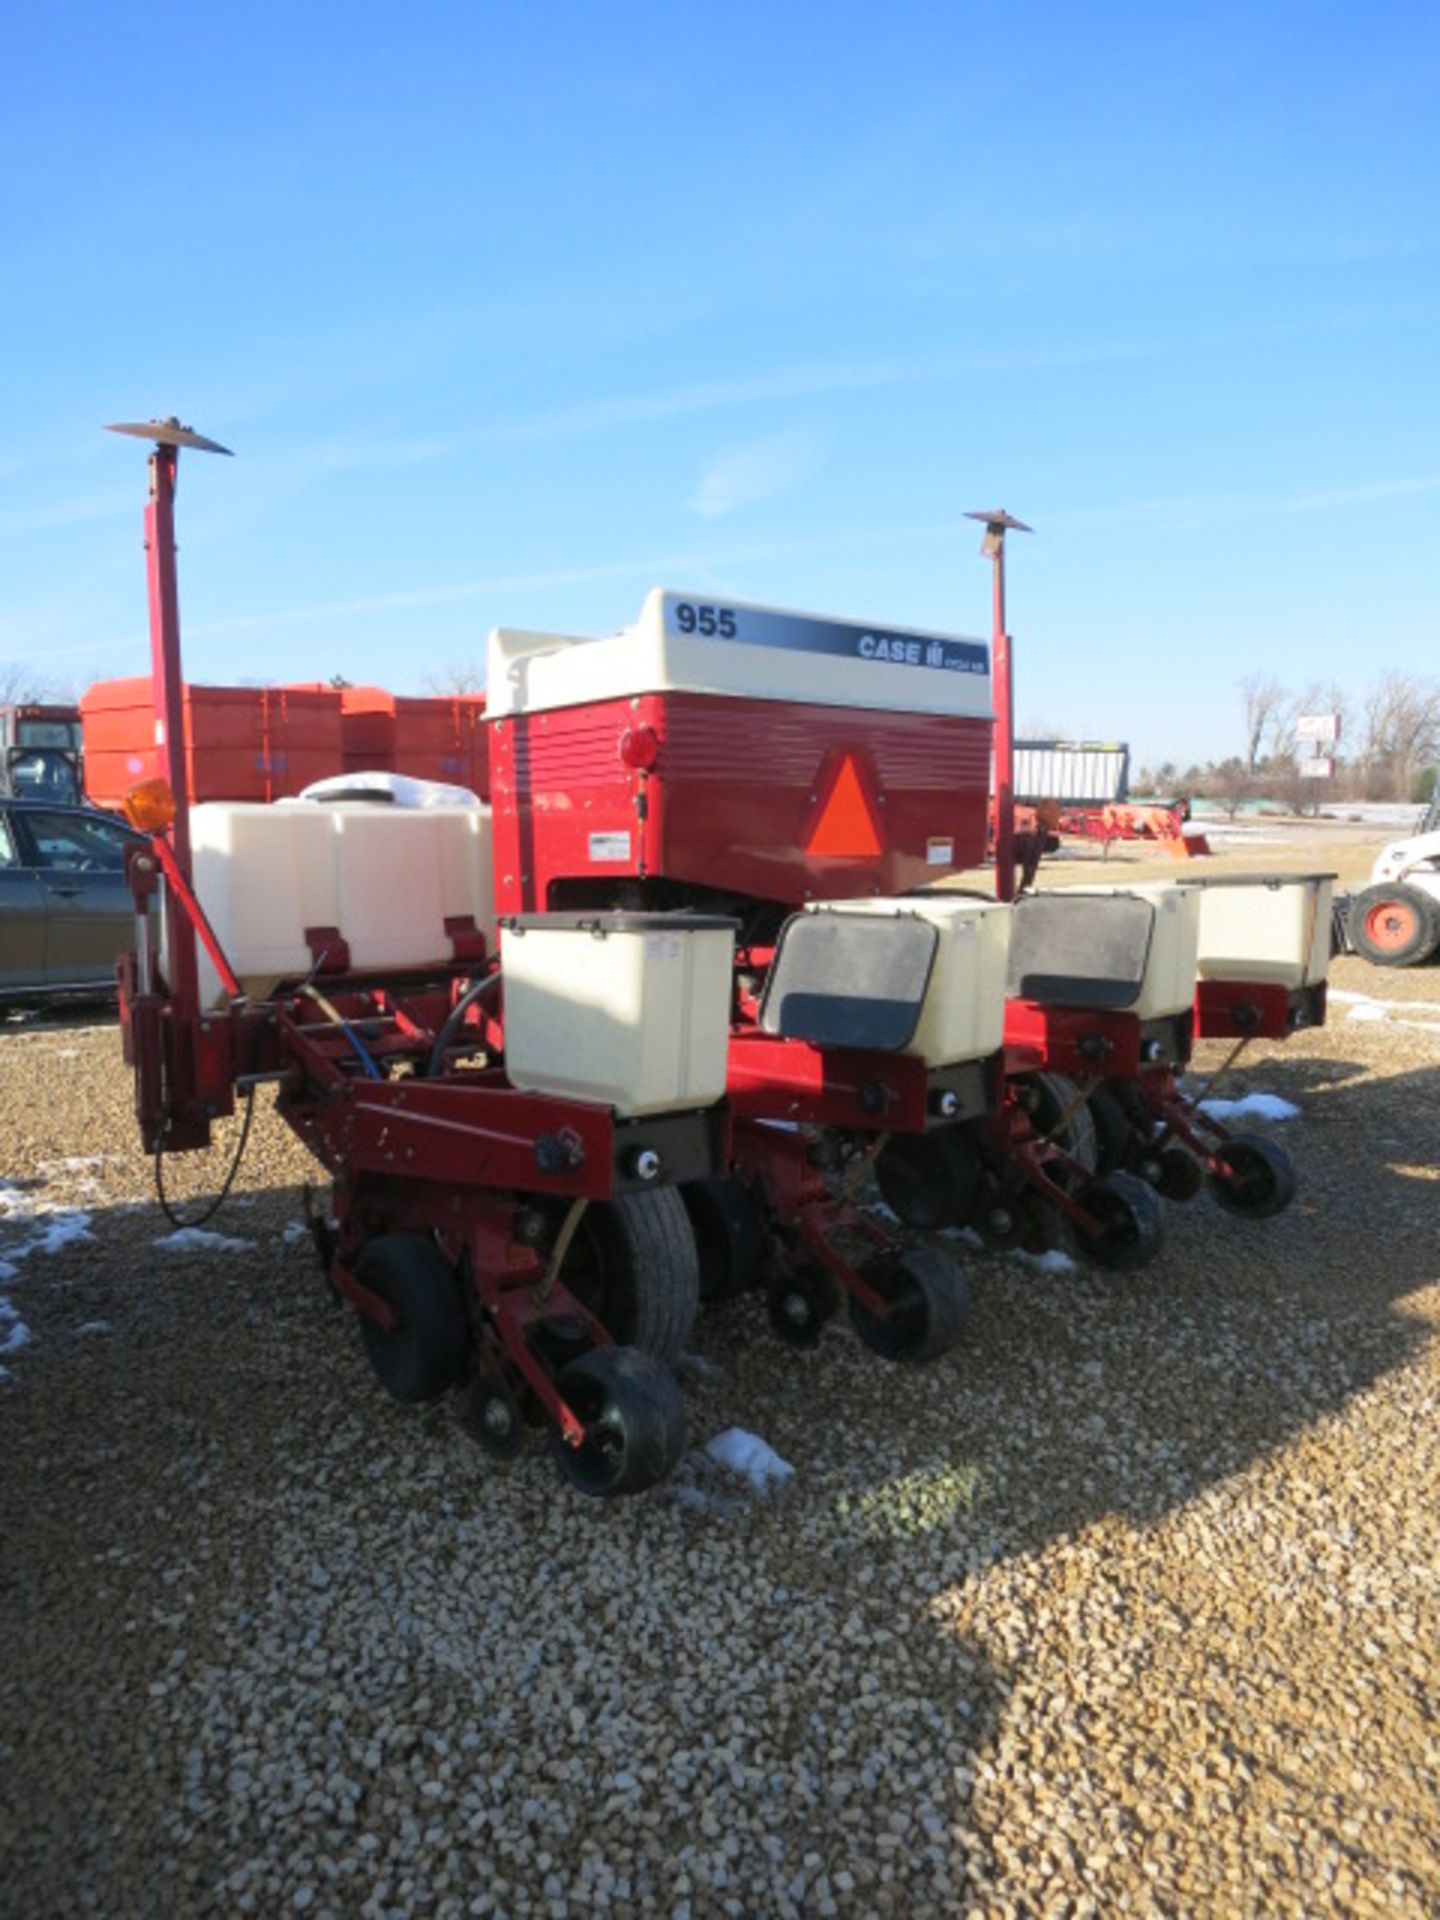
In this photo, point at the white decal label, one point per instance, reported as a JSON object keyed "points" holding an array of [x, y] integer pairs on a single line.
{"points": [[610, 846], [939, 853], [661, 946]]}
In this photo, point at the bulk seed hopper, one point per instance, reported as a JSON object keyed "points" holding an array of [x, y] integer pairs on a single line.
{"points": [[650, 1027]]}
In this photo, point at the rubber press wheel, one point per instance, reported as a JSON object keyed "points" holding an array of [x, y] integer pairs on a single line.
{"points": [[633, 1264], [634, 1419], [429, 1349], [1256, 1179], [1394, 925], [1129, 1219], [929, 1301]]}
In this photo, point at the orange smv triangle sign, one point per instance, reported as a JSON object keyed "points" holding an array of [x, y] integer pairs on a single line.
{"points": [[846, 826]]}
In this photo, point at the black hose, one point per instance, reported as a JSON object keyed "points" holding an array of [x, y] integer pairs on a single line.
{"points": [[224, 1193], [457, 1013]]}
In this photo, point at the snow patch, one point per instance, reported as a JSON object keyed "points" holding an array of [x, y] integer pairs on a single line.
{"points": [[1365, 1007], [295, 1232], [748, 1455], [14, 1333], [93, 1326], [52, 1230], [63, 1230], [966, 1236], [698, 1366], [1053, 1260], [198, 1239], [1252, 1106]]}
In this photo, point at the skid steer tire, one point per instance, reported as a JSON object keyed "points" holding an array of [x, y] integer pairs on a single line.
{"points": [[1394, 925]]}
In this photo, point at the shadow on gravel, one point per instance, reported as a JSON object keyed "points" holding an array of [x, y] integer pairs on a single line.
{"points": [[235, 1578]]}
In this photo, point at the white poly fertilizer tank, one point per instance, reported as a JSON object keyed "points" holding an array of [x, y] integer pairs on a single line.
{"points": [[1270, 929], [628, 1009], [401, 873], [386, 878], [262, 874]]}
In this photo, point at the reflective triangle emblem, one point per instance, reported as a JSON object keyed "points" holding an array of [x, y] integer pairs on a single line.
{"points": [[846, 826]]}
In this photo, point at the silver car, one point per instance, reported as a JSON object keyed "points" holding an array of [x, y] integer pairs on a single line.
{"points": [[65, 912]]}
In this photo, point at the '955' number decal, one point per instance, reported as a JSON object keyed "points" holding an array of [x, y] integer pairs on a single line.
{"points": [[706, 620]]}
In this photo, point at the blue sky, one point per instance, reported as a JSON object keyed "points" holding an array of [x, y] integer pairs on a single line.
{"points": [[510, 314]]}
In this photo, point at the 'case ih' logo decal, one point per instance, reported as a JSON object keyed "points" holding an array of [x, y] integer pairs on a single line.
{"points": [[845, 826]]}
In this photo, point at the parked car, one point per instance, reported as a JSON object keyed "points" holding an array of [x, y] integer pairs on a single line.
{"points": [[65, 913]]}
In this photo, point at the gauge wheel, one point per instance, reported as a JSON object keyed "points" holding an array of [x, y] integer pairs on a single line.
{"points": [[633, 1264]]}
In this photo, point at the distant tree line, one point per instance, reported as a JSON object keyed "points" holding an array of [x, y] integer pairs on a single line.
{"points": [[1388, 748]]}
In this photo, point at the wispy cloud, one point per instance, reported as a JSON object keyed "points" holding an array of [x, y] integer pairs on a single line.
{"points": [[130, 642], [818, 379], [654, 569], [78, 510], [1192, 513], [740, 476]]}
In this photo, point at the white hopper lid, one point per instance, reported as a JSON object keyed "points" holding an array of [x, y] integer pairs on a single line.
{"points": [[696, 643]]}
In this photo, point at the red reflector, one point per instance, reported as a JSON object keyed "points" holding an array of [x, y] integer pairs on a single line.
{"points": [[846, 826], [640, 748]]}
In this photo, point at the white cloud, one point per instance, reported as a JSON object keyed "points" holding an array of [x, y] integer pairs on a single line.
{"points": [[757, 471]]}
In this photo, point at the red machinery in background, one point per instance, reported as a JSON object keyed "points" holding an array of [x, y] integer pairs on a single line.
{"points": [[270, 743]]}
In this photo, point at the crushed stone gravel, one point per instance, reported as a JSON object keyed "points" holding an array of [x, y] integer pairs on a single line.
{"points": [[1128, 1607]]}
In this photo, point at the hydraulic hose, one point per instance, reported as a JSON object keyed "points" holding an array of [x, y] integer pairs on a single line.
{"points": [[475, 991]]}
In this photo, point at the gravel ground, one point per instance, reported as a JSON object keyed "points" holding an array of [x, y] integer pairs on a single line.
{"points": [[1130, 1606]]}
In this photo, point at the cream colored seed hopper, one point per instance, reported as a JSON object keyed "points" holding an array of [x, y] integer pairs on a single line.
{"points": [[1118, 949]]}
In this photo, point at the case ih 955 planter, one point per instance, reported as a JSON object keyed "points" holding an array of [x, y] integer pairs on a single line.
{"points": [[650, 1024]]}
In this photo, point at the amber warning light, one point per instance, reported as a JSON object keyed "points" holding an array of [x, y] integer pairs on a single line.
{"points": [[149, 807]]}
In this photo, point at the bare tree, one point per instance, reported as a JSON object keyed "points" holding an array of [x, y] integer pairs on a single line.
{"points": [[1230, 782], [1265, 704], [21, 686], [456, 677], [1401, 733]]}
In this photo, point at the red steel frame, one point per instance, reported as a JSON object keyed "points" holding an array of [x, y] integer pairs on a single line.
{"points": [[460, 1159]]}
